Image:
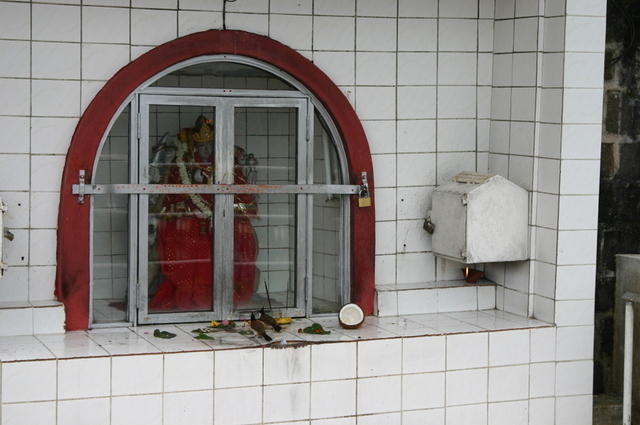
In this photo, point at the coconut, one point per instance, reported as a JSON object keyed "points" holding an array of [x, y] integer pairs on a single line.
{"points": [[351, 316]]}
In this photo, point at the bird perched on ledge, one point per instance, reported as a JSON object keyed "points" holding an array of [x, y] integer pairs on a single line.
{"points": [[259, 327], [269, 321]]}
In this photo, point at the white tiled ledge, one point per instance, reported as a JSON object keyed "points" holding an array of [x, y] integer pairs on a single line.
{"points": [[435, 297], [35, 317], [140, 340]]}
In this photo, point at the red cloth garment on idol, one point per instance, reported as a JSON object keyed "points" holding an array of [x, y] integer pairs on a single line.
{"points": [[184, 247]]}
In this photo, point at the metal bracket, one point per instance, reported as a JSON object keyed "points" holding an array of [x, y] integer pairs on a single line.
{"points": [[79, 189]]}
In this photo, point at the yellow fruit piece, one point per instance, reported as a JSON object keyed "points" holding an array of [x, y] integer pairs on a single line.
{"points": [[213, 324], [284, 320]]}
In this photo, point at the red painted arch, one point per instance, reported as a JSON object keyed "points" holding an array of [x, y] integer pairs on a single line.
{"points": [[73, 250]]}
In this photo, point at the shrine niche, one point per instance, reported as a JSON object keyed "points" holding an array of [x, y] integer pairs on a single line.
{"points": [[222, 181]]}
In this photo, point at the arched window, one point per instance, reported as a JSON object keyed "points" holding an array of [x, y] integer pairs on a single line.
{"points": [[224, 181]]}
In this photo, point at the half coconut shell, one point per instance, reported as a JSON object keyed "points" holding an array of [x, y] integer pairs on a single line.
{"points": [[351, 316]]}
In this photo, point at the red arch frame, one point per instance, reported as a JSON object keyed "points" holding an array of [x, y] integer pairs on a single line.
{"points": [[73, 250]]}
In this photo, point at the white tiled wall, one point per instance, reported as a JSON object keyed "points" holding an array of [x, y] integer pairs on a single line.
{"points": [[506, 86]]}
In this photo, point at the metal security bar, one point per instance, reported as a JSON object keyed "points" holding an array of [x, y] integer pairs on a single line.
{"points": [[82, 189]]}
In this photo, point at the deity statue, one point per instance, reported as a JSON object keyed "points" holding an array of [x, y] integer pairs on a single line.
{"points": [[184, 226]]}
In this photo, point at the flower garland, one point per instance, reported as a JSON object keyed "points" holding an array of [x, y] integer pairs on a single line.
{"points": [[184, 178]]}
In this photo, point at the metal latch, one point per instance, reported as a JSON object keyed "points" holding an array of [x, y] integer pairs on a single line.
{"points": [[364, 196], [79, 189]]}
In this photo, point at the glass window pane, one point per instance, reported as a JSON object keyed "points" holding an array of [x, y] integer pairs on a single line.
{"points": [[265, 224], [180, 243], [111, 228], [328, 228], [223, 75]]}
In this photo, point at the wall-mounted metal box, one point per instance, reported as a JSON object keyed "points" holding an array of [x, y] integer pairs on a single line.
{"points": [[480, 218]]}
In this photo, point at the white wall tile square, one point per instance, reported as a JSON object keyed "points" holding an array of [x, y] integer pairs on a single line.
{"points": [[188, 371], [542, 411], [333, 361], [153, 27], [375, 69], [509, 413], [381, 357], [456, 102], [292, 6], [525, 37], [274, 410], [587, 7], [466, 351], [190, 22], [14, 58], [457, 68], [574, 410], [375, 102], [578, 212], [503, 37], [14, 172], [105, 25], [238, 368], [377, 395], [42, 247], [294, 31], [384, 167], [28, 381], [333, 398], [376, 34], [15, 99], [505, 9], [43, 413], [418, 8], [166, 4], [381, 136], [574, 313], [132, 410], [15, 20], [193, 408], [585, 34], [46, 172], [419, 417], [84, 411], [287, 366], [424, 354], [101, 61], [416, 68], [581, 141], [55, 98], [473, 413], [136, 374], [553, 34], [416, 169], [335, 7], [543, 344], [577, 247], [574, 378], [48, 320], [414, 202], [88, 377], [542, 379], [508, 347], [416, 102], [466, 387], [582, 106], [52, 135], [333, 33], [457, 35], [419, 35], [423, 391], [339, 66], [416, 136], [226, 408], [55, 22], [508, 383], [575, 282], [256, 23]]}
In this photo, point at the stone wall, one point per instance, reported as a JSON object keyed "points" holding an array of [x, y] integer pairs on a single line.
{"points": [[619, 216]]}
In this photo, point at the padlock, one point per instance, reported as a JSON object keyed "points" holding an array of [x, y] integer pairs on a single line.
{"points": [[364, 201], [364, 198]]}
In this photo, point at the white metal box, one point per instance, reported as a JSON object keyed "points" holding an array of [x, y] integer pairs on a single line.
{"points": [[480, 218]]}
